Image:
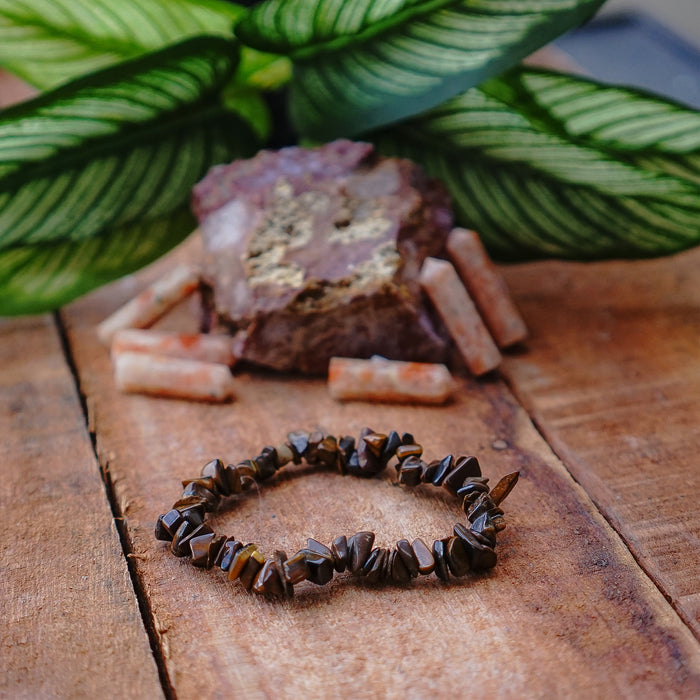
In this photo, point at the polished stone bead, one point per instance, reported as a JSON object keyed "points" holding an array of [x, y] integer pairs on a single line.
{"points": [[182, 549], [440, 556], [215, 470], [279, 558], [233, 479], [227, 552], [191, 508], [483, 527], [339, 548], [473, 487], [346, 446], [443, 470], [457, 559], [464, 467], [185, 529], [399, 571], [327, 451], [198, 490], [239, 561], [286, 454], [376, 442], [268, 581], [410, 471], [483, 504], [160, 532], [215, 546], [405, 451], [319, 548], [374, 568], [408, 557], [299, 440], [368, 462], [504, 487], [320, 567], [199, 548], [250, 571], [424, 557], [429, 471], [248, 467], [315, 439], [359, 547], [481, 556], [267, 462], [393, 441], [296, 568], [247, 482], [407, 439]]}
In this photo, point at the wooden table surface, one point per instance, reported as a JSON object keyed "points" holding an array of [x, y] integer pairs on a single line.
{"points": [[597, 589]]}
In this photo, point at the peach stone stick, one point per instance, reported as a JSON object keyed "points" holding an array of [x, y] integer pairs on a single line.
{"points": [[188, 346], [385, 380], [487, 287], [140, 373], [441, 283], [152, 303]]}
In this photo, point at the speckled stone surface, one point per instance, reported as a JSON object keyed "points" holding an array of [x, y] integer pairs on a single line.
{"points": [[312, 253]]}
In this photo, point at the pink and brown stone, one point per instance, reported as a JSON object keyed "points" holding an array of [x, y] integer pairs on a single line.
{"points": [[311, 253]]}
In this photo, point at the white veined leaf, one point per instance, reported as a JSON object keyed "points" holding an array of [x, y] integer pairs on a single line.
{"points": [[363, 64], [532, 190], [127, 169]]}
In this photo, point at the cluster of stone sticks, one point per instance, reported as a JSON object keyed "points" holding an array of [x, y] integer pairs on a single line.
{"points": [[468, 293], [193, 366]]}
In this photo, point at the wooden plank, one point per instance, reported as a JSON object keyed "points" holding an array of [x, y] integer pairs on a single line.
{"points": [[70, 620], [612, 378], [566, 611]]}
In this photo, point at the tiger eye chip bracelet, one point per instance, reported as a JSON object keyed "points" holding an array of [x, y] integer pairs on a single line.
{"points": [[468, 549]]}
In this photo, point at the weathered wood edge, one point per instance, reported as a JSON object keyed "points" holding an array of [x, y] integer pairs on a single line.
{"points": [[71, 622]]}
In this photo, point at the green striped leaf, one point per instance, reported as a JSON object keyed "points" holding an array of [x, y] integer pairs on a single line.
{"points": [[48, 42], [367, 63], [43, 276], [532, 189], [116, 151]]}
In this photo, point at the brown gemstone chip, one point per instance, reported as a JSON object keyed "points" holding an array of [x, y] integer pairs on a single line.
{"points": [[443, 470], [405, 451], [279, 558], [181, 542], [464, 468], [182, 531], [393, 442], [227, 552], [268, 581], [429, 471], [408, 557], [504, 487], [296, 568], [359, 548], [250, 570], [217, 472], [457, 559], [339, 549], [320, 567], [424, 557], [440, 556], [399, 570], [316, 546], [375, 565], [239, 561], [483, 527], [481, 556], [167, 525], [233, 479], [410, 471], [199, 548], [376, 442]]}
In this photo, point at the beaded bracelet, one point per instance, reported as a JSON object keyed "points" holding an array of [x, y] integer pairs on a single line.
{"points": [[469, 549]]}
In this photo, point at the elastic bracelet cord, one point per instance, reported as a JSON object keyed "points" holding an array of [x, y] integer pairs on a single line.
{"points": [[470, 548]]}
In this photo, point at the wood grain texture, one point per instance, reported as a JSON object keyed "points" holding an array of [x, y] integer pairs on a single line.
{"points": [[566, 611], [612, 378], [70, 621]]}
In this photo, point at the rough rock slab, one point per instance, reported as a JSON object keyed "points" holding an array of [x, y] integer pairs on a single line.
{"points": [[315, 252]]}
